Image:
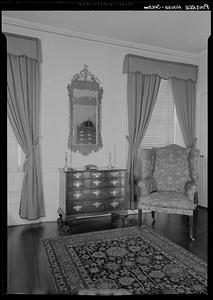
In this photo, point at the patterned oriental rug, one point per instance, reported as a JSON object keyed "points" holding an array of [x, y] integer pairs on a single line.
{"points": [[123, 261]]}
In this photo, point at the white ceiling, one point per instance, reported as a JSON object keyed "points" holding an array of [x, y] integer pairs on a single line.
{"points": [[186, 31]]}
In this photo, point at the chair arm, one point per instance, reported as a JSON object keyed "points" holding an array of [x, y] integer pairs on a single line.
{"points": [[147, 186], [190, 189]]}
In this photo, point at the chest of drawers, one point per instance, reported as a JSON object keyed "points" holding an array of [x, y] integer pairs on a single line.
{"points": [[91, 192]]}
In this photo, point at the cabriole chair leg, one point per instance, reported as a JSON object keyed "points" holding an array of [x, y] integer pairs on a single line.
{"points": [[191, 228], [153, 217], [140, 217]]}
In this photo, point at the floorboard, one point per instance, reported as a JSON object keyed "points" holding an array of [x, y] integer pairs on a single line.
{"points": [[27, 269], [21, 260]]}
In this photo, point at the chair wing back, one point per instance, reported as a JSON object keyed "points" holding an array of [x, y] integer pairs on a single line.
{"points": [[145, 163], [171, 170], [194, 165]]}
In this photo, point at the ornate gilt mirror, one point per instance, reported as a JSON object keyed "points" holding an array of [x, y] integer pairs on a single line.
{"points": [[85, 94]]}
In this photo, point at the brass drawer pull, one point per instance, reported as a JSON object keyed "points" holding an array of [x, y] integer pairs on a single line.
{"points": [[114, 182], [97, 204], [114, 192], [77, 195], [96, 175], [97, 192], [114, 203], [77, 207], [77, 175], [97, 182], [77, 184]]}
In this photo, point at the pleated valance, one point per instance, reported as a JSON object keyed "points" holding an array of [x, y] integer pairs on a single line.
{"points": [[165, 69], [23, 45]]}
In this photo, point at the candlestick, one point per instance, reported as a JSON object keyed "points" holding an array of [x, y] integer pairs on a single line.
{"points": [[114, 155], [65, 166], [110, 161], [70, 158]]}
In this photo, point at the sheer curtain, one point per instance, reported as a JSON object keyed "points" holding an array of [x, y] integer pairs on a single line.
{"points": [[23, 108]]}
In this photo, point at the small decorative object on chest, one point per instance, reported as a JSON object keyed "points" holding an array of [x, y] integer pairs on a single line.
{"points": [[90, 192]]}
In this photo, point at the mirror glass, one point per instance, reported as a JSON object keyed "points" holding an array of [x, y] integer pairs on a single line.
{"points": [[84, 117], [85, 96]]}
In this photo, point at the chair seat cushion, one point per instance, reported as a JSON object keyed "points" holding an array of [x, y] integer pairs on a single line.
{"points": [[167, 199]]}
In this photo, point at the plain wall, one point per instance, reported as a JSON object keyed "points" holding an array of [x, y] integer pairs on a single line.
{"points": [[64, 56]]}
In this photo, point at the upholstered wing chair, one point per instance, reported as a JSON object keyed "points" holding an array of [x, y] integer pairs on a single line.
{"points": [[168, 181]]}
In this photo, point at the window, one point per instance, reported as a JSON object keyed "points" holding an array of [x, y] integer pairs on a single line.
{"points": [[15, 159], [12, 150], [15, 155], [161, 130]]}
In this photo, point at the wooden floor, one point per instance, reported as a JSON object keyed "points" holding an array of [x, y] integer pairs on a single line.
{"points": [[27, 270]]}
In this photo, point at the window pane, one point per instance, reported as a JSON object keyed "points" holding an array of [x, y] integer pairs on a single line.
{"points": [[160, 131], [12, 150]]}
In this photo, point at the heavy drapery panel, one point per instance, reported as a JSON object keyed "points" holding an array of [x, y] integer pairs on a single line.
{"points": [[184, 97], [142, 93], [23, 107]]}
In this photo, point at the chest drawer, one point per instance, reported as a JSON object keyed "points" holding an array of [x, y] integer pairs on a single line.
{"points": [[114, 204], [93, 206], [95, 193], [95, 183], [110, 174]]}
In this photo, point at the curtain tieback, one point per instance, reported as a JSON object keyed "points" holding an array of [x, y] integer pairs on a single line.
{"points": [[28, 154]]}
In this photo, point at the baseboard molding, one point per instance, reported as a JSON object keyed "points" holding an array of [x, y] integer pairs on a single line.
{"points": [[135, 211], [15, 220], [129, 211]]}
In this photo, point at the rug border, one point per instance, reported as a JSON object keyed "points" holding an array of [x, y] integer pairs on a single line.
{"points": [[90, 236], [71, 240]]}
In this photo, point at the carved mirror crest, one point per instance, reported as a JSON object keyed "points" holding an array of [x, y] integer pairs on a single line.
{"points": [[85, 94]]}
